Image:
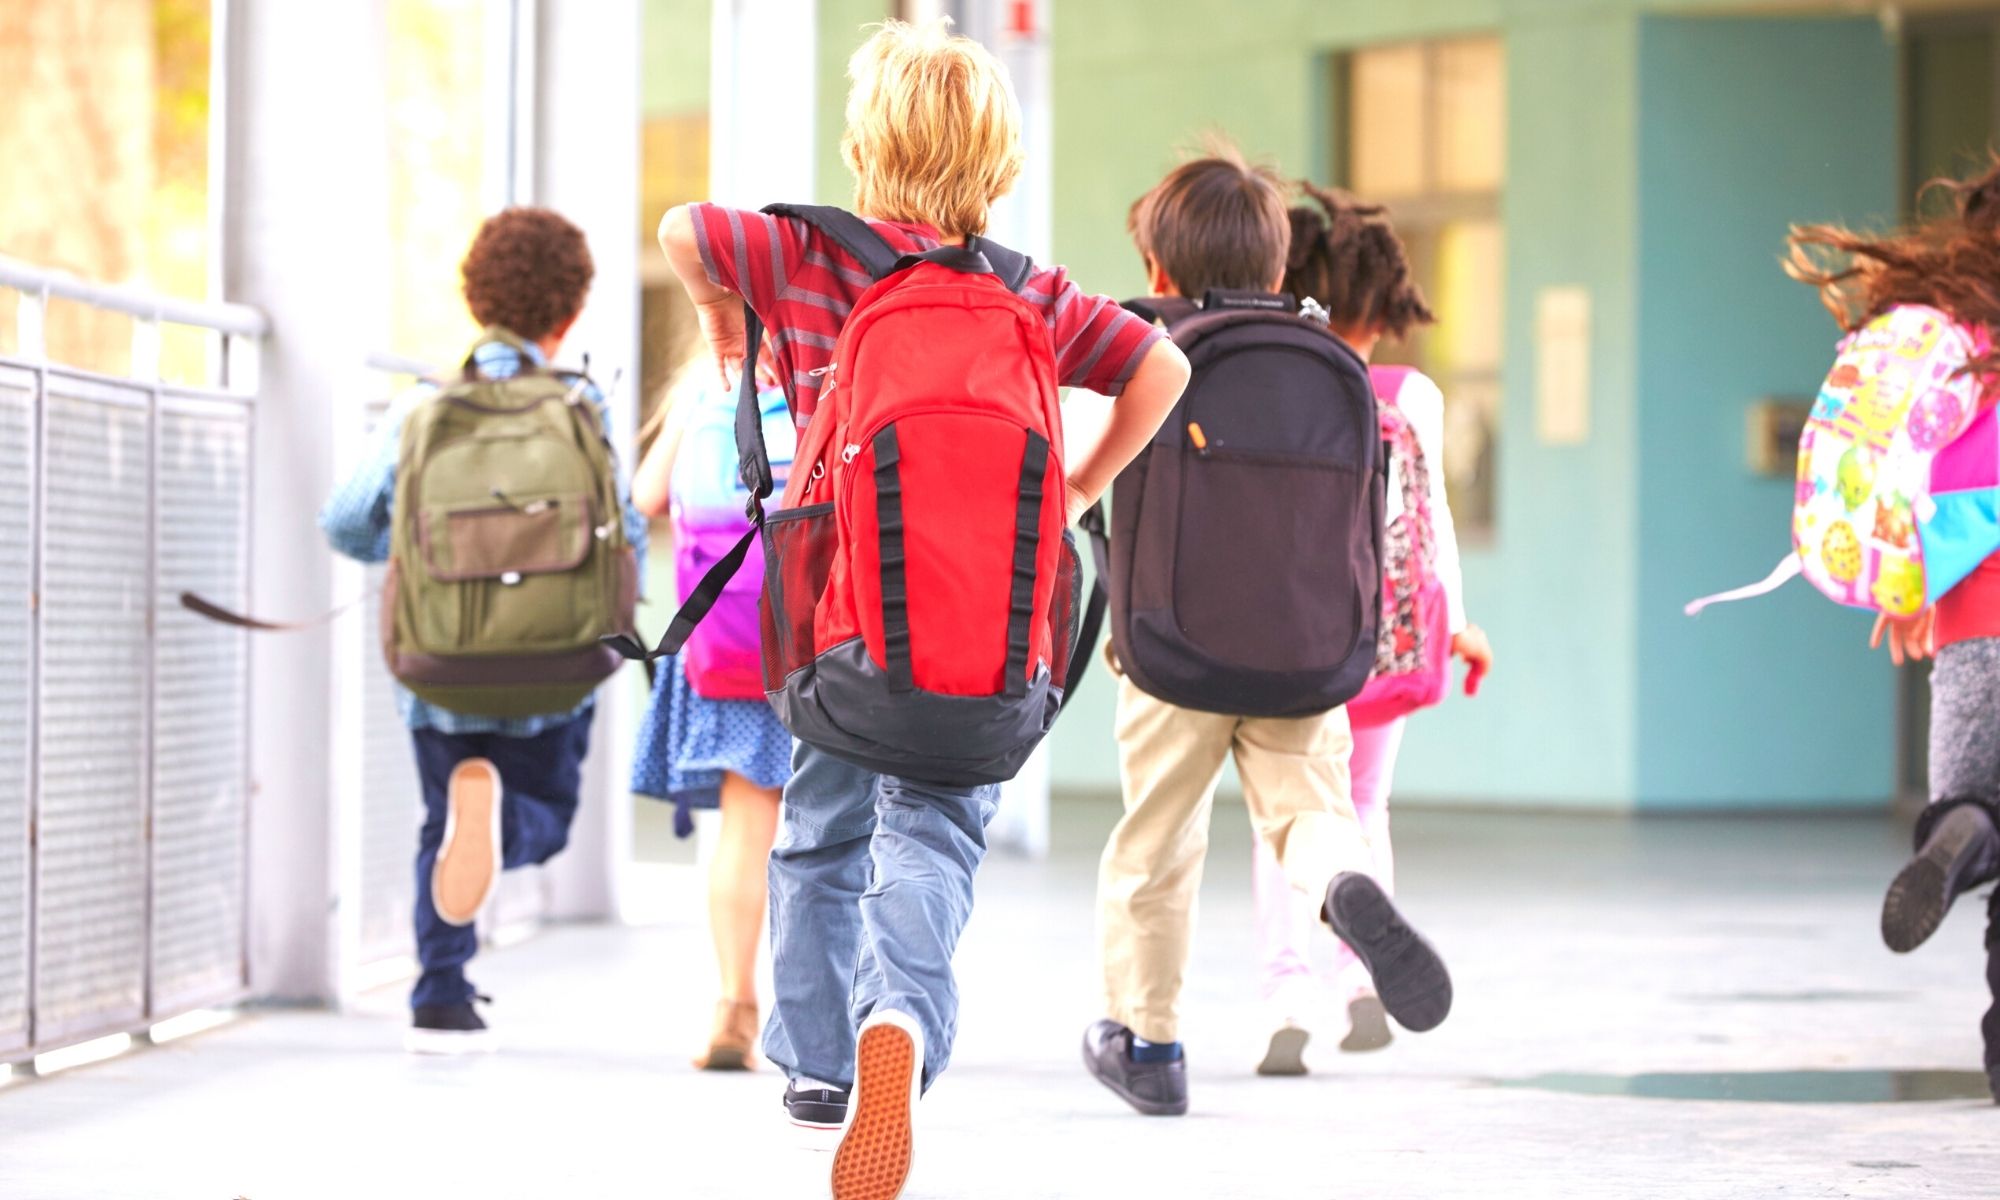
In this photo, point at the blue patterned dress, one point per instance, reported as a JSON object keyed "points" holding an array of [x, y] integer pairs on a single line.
{"points": [[687, 741]]}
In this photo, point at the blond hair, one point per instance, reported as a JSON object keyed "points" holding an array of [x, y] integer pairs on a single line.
{"points": [[933, 128]]}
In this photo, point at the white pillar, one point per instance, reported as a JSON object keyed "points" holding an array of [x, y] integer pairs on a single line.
{"points": [[302, 187], [1017, 34], [584, 68], [762, 115]]}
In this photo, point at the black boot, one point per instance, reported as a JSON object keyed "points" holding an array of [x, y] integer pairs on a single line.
{"points": [[1959, 849], [1990, 1026]]}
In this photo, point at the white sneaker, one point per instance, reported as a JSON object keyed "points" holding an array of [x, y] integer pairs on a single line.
{"points": [[876, 1150]]}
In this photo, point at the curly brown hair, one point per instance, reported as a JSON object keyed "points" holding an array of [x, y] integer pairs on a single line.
{"points": [[1346, 255], [1951, 263], [528, 271]]}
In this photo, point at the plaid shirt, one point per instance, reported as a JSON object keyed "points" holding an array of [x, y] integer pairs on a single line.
{"points": [[356, 520]]}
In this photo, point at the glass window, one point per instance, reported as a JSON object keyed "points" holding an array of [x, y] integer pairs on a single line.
{"points": [[1426, 134], [106, 145], [441, 179]]}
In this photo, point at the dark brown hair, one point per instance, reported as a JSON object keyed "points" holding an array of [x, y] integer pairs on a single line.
{"points": [[1951, 263], [1214, 222], [528, 271], [1347, 256]]}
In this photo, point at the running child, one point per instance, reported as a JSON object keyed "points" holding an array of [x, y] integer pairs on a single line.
{"points": [[709, 740], [500, 791], [871, 877], [1214, 235], [1348, 268], [1951, 265]]}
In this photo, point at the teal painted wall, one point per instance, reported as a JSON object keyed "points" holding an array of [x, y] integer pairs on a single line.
{"points": [[1746, 126], [1555, 590], [1541, 734]]}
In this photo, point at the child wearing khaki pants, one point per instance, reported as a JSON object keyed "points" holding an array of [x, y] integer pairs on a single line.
{"points": [[1217, 223]]}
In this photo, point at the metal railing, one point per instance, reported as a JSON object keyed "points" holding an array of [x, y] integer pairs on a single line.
{"points": [[124, 720]]}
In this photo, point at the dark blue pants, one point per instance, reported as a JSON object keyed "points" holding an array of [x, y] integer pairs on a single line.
{"points": [[539, 778]]}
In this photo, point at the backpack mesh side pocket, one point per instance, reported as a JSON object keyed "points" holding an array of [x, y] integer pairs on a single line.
{"points": [[1065, 609], [799, 545]]}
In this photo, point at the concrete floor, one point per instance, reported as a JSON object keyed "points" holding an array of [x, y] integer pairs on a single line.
{"points": [[1684, 1008]]}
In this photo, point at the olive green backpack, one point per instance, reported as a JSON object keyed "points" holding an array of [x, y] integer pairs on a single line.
{"points": [[508, 556]]}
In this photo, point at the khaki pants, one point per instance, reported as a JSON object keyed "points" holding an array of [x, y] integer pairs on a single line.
{"points": [[1295, 781]]}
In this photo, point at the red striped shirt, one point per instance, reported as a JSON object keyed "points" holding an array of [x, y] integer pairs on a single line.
{"points": [[803, 286]]}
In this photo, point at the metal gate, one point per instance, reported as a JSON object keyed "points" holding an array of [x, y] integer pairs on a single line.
{"points": [[124, 721]]}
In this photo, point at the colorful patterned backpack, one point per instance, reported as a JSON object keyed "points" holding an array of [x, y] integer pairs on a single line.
{"points": [[723, 657], [1413, 649], [1898, 494]]}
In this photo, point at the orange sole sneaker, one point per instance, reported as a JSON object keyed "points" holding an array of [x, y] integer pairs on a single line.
{"points": [[468, 862], [876, 1148]]}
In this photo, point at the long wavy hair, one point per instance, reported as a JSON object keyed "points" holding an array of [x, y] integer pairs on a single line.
{"points": [[1950, 263]]}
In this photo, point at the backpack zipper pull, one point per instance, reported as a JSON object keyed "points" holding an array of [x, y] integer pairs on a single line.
{"points": [[1199, 439]]}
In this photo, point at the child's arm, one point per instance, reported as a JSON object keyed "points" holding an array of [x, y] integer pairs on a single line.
{"points": [[719, 309], [1423, 405], [651, 483], [1136, 415], [355, 518]]}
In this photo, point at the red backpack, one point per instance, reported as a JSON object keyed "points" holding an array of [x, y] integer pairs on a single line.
{"points": [[920, 588]]}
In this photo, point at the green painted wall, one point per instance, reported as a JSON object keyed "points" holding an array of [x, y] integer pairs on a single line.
{"points": [[1555, 590], [675, 35], [1536, 735], [1744, 127]]}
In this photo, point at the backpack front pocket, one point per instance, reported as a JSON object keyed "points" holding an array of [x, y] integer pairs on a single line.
{"points": [[1256, 583], [508, 577]]}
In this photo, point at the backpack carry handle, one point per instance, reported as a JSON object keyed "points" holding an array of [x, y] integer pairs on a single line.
{"points": [[977, 257]]}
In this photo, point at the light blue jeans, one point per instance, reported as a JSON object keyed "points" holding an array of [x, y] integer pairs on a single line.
{"points": [[871, 886]]}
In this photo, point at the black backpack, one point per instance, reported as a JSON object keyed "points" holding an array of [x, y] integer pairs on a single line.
{"points": [[1246, 540]]}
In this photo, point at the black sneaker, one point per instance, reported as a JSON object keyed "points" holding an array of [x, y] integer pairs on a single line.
{"points": [[1158, 1089], [1409, 976], [815, 1107], [448, 1029], [1961, 842]]}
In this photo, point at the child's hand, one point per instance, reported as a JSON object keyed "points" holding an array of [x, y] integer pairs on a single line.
{"points": [[1471, 645], [1911, 639], [1077, 503], [722, 329]]}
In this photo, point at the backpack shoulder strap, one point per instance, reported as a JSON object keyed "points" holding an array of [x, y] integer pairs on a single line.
{"points": [[1163, 310], [847, 231]]}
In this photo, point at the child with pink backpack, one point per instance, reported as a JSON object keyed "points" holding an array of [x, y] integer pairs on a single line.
{"points": [[709, 739], [1897, 512], [1349, 269]]}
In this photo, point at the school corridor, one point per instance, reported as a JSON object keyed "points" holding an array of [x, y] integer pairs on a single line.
{"points": [[1678, 1007]]}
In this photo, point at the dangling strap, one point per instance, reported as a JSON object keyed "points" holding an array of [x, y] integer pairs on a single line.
{"points": [[1100, 599], [201, 606], [753, 465], [1779, 576]]}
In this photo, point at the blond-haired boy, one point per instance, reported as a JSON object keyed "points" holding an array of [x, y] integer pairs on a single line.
{"points": [[871, 876]]}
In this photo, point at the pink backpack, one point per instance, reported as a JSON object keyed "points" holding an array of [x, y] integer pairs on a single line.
{"points": [[1413, 654]]}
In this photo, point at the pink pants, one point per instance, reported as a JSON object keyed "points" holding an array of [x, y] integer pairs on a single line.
{"points": [[1287, 922]]}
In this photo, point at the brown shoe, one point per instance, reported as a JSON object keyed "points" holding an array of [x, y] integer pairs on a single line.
{"points": [[468, 863], [731, 1046]]}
